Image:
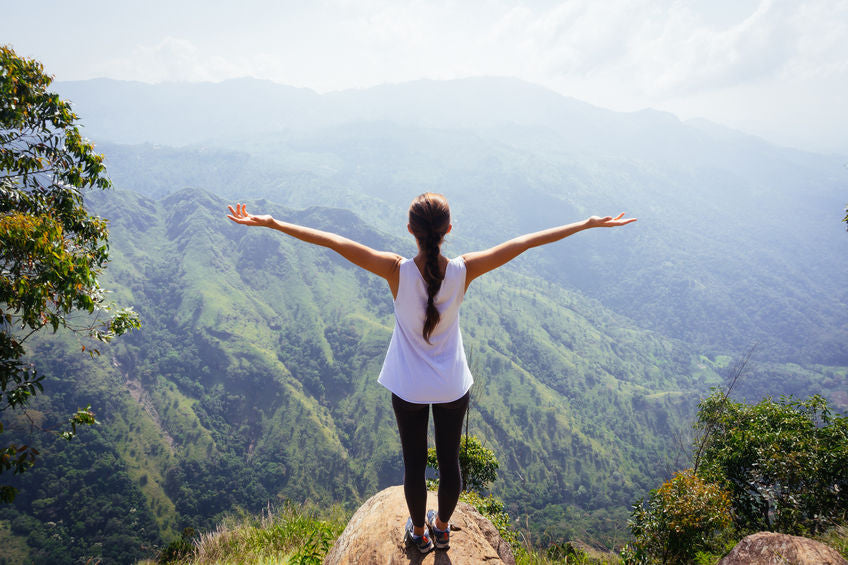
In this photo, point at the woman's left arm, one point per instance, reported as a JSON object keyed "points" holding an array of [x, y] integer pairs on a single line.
{"points": [[382, 263]]}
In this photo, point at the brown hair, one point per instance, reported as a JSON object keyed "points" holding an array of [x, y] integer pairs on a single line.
{"points": [[429, 220]]}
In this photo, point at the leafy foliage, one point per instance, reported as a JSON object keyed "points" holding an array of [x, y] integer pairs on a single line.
{"points": [[782, 461], [774, 465], [682, 517], [80, 503], [478, 465], [178, 549], [51, 249]]}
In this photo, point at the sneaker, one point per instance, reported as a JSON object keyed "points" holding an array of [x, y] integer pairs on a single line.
{"points": [[422, 542], [441, 538]]}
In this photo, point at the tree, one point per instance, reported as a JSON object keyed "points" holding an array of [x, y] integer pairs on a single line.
{"points": [[774, 465], [51, 249], [782, 461]]}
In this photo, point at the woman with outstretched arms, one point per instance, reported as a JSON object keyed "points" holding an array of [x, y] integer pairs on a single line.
{"points": [[425, 364]]}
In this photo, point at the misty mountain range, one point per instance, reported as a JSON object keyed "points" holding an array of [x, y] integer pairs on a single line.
{"points": [[738, 242], [253, 379]]}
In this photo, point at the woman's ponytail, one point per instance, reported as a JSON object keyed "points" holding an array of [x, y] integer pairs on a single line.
{"points": [[429, 220]]}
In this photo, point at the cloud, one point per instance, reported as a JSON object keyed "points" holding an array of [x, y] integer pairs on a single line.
{"points": [[667, 49], [821, 40], [172, 59], [729, 60]]}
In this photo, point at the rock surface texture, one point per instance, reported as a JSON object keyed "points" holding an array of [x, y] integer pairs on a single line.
{"points": [[374, 535], [767, 548]]}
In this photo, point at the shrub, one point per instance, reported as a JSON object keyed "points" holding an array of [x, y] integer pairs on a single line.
{"points": [[783, 462], [686, 515], [478, 464]]}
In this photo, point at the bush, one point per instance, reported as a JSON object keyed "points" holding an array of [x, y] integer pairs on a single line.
{"points": [[478, 464], [783, 462], [775, 465], [178, 549], [492, 508], [567, 552], [685, 516]]}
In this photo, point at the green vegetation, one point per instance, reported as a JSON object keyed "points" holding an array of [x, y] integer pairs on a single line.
{"points": [[718, 280], [478, 465], [837, 538], [300, 535], [52, 251], [292, 535], [783, 462], [684, 517], [82, 500], [15, 549], [481, 467], [771, 466], [253, 380]]}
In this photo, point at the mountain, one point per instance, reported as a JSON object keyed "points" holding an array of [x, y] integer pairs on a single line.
{"points": [[739, 241], [254, 380]]}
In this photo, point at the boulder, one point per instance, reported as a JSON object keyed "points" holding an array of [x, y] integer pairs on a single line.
{"points": [[374, 535], [768, 548]]}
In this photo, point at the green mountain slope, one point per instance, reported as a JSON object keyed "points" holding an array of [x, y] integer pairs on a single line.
{"points": [[740, 241], [254, 380], [737, 241]]}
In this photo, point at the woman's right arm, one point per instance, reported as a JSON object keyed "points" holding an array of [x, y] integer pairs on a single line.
{"points": [[382, 263], [481, 262]]}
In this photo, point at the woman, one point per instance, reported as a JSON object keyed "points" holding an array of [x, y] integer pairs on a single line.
{"points": [[425, 363]]}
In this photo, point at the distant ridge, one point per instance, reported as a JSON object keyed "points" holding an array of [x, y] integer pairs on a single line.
{"points": [[189, 113]]}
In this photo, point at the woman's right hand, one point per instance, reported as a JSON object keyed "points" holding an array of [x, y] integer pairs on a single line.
{"points": [[608, 221], [240, 216]]}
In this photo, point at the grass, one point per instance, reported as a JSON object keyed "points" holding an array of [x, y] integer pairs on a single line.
{"points": [[302, 535], [568, 553], [837, 538], [288, 535]]}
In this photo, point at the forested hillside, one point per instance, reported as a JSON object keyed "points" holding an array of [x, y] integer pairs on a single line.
{"points": [[253, 379], [738, 242]]}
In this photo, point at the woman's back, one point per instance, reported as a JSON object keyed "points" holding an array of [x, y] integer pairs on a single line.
{"points": [[417, 370]]}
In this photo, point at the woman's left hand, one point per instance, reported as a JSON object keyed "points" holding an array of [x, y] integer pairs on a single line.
{"points": [[240, 216]]}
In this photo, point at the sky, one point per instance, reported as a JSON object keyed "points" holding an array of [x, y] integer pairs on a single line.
{"points": [[774, 68]]}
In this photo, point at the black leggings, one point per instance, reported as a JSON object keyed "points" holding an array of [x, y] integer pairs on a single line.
{"points": [[412, 420]]}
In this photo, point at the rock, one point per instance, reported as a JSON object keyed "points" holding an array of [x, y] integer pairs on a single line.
{"points": [[767, 548], [374, 535]]}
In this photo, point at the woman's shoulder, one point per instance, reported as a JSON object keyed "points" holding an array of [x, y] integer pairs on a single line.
{"points": [[456, 265], [406, 266], [458, 261]]}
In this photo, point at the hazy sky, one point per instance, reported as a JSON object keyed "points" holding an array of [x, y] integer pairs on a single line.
{"points": [[775, 68]]}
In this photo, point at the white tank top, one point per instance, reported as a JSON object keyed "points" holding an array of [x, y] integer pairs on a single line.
{"points": [[418, 371]]}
